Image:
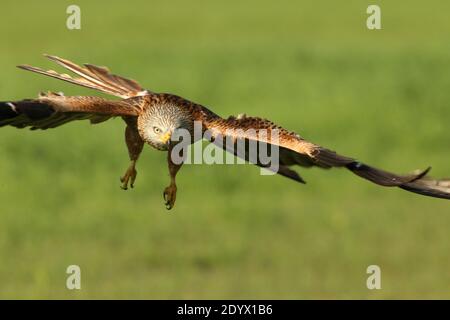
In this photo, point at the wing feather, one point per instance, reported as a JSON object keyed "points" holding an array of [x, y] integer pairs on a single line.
{"points": [[52, 110], [294, 150]]}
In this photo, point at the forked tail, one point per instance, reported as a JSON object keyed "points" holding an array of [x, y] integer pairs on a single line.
{"points": [[94, 77]]}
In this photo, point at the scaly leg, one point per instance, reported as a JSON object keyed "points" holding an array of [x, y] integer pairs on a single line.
{"points": [[135, 145], [170, 193]]}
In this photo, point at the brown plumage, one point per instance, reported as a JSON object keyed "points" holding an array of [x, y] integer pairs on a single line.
{"points": [[154, 117]]}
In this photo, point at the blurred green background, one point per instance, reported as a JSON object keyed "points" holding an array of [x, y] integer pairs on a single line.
{"points": [[313, 67]]}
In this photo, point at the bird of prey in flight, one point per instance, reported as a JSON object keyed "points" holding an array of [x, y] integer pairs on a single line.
{"points": [[153, 118]]}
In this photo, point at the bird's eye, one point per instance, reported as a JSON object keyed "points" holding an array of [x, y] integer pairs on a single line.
{"points": [[157, 130]]}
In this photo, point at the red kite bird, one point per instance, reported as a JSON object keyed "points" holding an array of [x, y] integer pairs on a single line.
{"points": [[153, 118]]}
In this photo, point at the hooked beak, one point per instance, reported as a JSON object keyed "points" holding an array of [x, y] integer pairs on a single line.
{"points": [[166, 137]]}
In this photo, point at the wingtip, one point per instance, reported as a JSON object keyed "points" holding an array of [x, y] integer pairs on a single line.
{"points": [[421, 174]]}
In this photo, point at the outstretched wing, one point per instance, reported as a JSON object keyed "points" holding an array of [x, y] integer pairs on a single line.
{"points": [[294, 150], [52, 110], [94, 77]]}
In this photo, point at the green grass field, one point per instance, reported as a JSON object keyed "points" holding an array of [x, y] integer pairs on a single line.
{"points": [[381, 96]]}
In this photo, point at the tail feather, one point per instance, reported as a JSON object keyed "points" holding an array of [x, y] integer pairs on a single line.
{"points": [[119, 82], [93, 77]]}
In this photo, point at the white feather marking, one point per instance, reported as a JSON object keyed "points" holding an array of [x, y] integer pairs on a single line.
{"points": [[13, 107], [142, 93]]}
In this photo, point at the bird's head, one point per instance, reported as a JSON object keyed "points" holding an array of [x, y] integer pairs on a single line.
{"points": [[159, 124]]}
